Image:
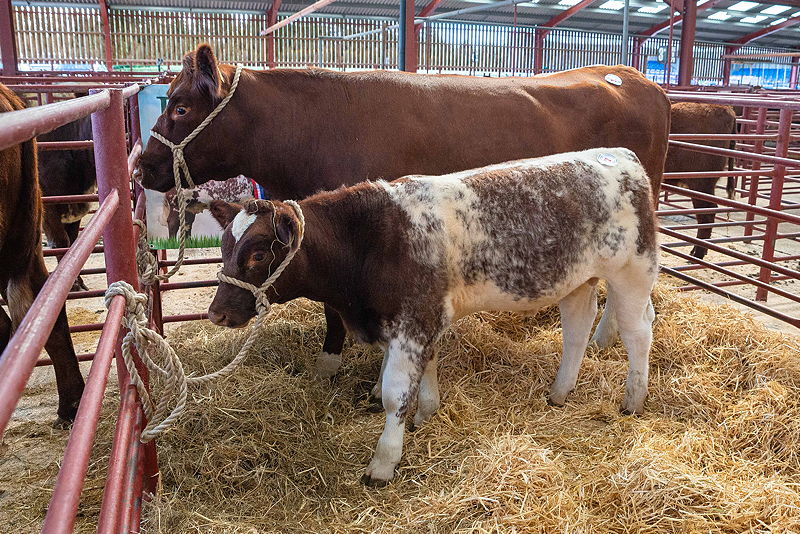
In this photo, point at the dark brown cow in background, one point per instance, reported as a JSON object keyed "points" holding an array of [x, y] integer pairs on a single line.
{"points": [[695, 117], [22, 268], [67, 172], [299, 131]]}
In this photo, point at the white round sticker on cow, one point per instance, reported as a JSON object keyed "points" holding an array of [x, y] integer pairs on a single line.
{"points": [[613, 79], [609, 160]]}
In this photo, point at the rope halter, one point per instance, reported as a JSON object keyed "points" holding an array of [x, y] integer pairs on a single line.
{"points": [[178, 159], [260, 292]]}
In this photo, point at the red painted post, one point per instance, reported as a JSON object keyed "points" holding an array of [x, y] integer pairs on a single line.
{"points": [[410, 41], [111, 161], [538, 50], [775, 198], [636, 57], [8, 41], [726, 66], [758, 148], [793, 72], [106, 24], [686, 65], [272, 18]]}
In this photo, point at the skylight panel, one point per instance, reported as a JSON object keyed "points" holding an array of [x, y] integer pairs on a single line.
{"points": [[720, 15], [778, 21], [653, 9], [568, 2], [755, 19], [743, 6], [614, 4], [775, 10]]}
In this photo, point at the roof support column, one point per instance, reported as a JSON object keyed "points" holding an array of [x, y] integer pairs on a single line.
{"points": [[793, 72], [636, 55], [106, 24], [8, 41], [686, 66], [272, 18], [726, 66], [407, 42], [538, 50]]}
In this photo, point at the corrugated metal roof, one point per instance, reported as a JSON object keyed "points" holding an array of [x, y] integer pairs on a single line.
{"points": [[528, 13]]}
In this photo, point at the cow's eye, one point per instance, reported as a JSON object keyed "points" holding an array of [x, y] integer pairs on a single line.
{"points": [[180, 110], [259, 256]]}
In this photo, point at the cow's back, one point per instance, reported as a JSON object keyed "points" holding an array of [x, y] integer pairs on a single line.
{"points": [[387, 125], [20, 204]]}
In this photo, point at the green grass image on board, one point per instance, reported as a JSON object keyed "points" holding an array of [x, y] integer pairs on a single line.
{"points": [[195, 241]]}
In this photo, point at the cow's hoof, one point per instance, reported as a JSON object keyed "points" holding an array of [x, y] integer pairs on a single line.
{"points": [[373, 482], [62, 424], [630, 411], [698, 252], [553, 403]]}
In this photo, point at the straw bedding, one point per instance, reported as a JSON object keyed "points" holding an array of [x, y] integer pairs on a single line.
{"points": [[271, 450]]}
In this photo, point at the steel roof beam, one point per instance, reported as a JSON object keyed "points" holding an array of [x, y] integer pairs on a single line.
{"points": [[661, 26], [291, 18], [763, 32]]}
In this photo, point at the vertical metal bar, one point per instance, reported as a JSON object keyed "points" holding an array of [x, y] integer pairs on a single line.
{"points": [[793, 73], [8, 42], [625, 34], [401, 37], [775, 198], [109, 51], [108, 129], [686, 64], [756, 166]]}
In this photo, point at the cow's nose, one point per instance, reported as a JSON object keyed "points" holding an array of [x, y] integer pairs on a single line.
{"points": [[219, 319]]}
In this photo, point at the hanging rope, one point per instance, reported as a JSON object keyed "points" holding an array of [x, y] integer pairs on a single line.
{"points": [[160, 358]]}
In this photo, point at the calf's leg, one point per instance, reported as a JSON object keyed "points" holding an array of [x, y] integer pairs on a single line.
{"points": [[330, 359], [578, 310], [405, 361], [606, 333], [428, 397], [635, 315], [703, 218]]}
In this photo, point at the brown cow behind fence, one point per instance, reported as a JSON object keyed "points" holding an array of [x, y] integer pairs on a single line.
{"points": [[22, 268]]}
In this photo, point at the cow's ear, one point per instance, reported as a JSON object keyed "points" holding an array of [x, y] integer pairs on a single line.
{"points": [[224, 212], [286, 228], [206, 70]]}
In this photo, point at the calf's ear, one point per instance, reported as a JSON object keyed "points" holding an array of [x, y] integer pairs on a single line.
{"points": [[286, 228], [224, 212]]}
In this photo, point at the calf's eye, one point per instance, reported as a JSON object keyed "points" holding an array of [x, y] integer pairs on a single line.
{"points": [[180, 110], [259, 256]]}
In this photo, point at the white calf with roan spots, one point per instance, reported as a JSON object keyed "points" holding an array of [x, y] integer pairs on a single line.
{"points": [[401, 261]]}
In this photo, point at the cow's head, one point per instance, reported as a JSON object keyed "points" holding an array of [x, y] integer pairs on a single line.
{"points": [[257, 238], [193, 94]]}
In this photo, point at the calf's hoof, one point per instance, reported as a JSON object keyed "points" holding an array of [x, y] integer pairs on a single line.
{"points": [[373, 482], [327, 365], [62, 424], [626, 409], [554, 403], [378, 474]]}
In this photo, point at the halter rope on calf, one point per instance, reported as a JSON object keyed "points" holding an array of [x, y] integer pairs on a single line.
{"points": [[151, 346]]}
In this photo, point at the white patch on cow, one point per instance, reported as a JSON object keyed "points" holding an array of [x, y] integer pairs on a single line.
{"points": [[241, 223], [327, 364]]}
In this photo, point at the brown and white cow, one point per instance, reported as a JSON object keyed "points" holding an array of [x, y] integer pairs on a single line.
{"points": [[300, 131], [400, 261], [22, 268], [696, 117]]}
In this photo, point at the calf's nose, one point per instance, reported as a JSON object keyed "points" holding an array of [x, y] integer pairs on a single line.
{"points": [[219, 319]]}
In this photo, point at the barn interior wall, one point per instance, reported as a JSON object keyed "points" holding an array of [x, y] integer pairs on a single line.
{"points": [[70, 38]]}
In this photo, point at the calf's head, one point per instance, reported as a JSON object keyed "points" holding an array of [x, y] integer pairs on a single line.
{"points": [[193, 94], [257, 238]]}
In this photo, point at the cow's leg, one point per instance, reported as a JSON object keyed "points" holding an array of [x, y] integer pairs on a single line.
{"points": [[69, 381], [606, 332], [173, 223], [72, 229], [703, 218], [5, 329], [578, 310], [405, 361], [428, 397], [635, 315], [330, 359]]}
